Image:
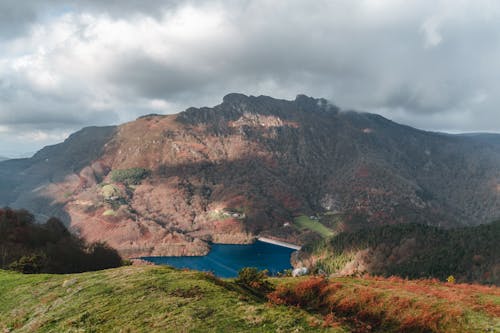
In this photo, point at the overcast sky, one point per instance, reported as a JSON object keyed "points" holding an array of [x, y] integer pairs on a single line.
{"points": [[67, 64]]}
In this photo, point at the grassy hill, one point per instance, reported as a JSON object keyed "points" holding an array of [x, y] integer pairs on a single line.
{"points": [[137, 299], [162, 299]]}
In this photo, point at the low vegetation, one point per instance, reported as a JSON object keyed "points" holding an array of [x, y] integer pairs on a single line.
{"points": [[254, 280], [141, 299], [28, 247], [372, 304], [163, 299]]}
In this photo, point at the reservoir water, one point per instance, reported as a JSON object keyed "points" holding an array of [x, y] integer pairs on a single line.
{"points": [[226, 260]]}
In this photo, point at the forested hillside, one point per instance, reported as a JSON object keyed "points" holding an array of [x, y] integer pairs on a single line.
{"points": [[469, 254], [48, 248]]}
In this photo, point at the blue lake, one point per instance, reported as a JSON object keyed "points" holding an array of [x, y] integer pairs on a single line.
{"points": [[226, 260]]}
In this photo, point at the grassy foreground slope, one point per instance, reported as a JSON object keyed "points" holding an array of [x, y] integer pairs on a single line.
{"points": [[162, 299], [140, 299]]}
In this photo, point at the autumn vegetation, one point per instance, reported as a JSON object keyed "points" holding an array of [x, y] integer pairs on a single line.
{"points": [[254, 280], [151, 186], [376, 304], [163, 299]]}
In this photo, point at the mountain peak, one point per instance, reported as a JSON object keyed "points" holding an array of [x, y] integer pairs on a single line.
{"points": [[307, 103], [234, 98], [234, 105], [300, 98]]}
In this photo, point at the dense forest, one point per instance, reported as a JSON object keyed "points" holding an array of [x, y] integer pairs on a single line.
{"points": [[29, 247], [470, 254]]}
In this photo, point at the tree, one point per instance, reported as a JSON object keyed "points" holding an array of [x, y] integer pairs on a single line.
{"points": [[252, 278]]}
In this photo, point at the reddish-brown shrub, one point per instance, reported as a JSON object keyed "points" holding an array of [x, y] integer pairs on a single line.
{"points": [[394, 303], [331, 321], [308, 293]]}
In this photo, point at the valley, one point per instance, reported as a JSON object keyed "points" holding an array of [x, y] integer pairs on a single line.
{"points": [[249, 166]]}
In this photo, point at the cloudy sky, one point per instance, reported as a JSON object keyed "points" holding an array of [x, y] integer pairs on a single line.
{"points": [[67, 64]]}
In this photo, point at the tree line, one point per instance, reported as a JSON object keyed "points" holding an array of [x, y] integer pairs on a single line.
{"points": [[471, 254], [30, 247]]}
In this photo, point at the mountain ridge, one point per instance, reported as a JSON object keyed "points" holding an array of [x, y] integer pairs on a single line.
{"points": [[265, 159]]}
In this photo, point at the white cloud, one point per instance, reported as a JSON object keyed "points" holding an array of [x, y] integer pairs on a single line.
{"points": [[43, 136], [432, 36], [420, 62], [159, 105]]}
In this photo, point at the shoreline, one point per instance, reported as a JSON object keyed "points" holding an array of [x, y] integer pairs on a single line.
{"points": [[279, 243], [259, 238]]}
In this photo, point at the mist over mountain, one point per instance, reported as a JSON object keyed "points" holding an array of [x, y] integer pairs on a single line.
{"points": [[168, 185]]}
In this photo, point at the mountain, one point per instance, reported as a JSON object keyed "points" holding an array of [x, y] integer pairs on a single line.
{"points": [[161, 299], [168, 185], [3, 158]]}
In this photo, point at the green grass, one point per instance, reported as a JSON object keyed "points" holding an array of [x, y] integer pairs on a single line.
{"points": [[109, 212], [140, 299], [163, 299], [304, 222]]}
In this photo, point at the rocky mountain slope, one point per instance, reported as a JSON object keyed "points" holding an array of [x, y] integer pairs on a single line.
{"points": [[169, 184]]}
